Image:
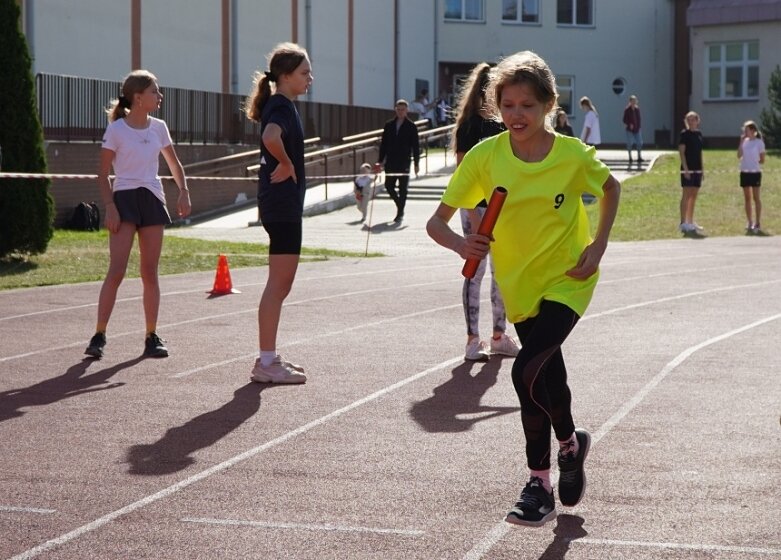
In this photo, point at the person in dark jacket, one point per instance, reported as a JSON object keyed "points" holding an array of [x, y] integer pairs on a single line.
{"points": [[399, 142], [632, 125]]}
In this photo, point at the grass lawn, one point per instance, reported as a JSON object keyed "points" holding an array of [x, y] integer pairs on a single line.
{"points": [[81, 256], [649, 210], [650, 203]]}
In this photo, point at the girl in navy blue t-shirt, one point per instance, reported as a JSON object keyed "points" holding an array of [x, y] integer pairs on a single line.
{"points": [[281, 190]]}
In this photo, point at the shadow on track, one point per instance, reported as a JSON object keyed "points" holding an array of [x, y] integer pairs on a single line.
{"points": [[455, 405], [173, 452], [72, 383]]}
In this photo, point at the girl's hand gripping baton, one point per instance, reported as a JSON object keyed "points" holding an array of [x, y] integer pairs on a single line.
{"points": [[486, 226]]}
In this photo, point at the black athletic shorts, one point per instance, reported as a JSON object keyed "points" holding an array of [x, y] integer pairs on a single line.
{"points": [[694, 180], [284, 237], [141, 207], [749, 179]]}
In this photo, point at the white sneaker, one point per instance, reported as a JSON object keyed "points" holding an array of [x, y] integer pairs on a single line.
{"points": [[476, 351], [506, 346], [285, 363], [276, 372]]}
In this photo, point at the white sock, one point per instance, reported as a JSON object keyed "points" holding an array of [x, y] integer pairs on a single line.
{"points": [[545, 477], [570, 444], [266, 357]]}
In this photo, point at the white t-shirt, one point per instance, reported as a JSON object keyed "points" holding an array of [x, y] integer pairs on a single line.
{"points": [[592, 122], [752, 148], [136, 162]]}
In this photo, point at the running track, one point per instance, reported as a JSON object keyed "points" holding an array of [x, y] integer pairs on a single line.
{"points": [[395, 448]]}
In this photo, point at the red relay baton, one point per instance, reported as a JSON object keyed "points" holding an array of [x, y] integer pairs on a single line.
{"points": [[486, 226]]}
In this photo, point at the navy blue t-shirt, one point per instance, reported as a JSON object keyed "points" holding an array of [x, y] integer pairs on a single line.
{"points": [[282, 202]]}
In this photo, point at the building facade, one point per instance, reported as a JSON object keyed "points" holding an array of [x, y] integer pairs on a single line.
{"points": [[713, 56]]}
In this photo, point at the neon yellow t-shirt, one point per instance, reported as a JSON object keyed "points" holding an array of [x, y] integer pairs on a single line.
{"points": [[543, 228]]}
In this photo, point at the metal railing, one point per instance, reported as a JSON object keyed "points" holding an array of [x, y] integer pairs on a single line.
{"points": [[73, 109]]}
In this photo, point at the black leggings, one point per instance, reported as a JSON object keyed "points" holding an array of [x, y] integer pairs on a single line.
{"points": [[540, 379]]}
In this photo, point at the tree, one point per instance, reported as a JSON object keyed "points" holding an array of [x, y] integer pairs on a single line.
{"points": [[770, 117], [26, 206]]}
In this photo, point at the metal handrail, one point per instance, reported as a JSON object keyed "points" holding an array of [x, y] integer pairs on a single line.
{"points": [[233, 157]]}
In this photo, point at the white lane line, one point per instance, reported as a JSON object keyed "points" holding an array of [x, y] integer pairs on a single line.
{"points": [[164, 493], [315, 337], [252, 309], [589, 316], [246, 285], [305, 526], [26, 509], [498, 532], [678, 546]]}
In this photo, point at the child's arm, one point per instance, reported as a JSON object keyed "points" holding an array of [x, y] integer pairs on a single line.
{"points": [[183, 204], [106, 193], [272, 139], [592, 255], [473, 246]]}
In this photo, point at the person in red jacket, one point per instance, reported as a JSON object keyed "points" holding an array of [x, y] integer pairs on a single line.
{"points": [[632, 124]]}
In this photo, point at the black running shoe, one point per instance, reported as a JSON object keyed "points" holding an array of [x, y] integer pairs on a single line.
{"points": [[536, 506], [96, 344], [572, 477], [154, 346]]}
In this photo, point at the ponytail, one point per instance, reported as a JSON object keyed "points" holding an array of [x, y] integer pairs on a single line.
{"points": [[261, 91], [135, 82]]}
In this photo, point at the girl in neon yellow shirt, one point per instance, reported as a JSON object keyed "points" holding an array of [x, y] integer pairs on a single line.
{"points": [[546, 262]]}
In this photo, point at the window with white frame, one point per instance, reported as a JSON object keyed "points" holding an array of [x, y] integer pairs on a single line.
{"points": [[575, 12], [566, 87], [464, 10], [732, 70], [520, 11]]}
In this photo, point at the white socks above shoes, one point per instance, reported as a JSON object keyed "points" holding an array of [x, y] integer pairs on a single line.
{"points": [[266, 357]]}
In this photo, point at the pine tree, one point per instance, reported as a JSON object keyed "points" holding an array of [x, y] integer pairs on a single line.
{"points": [[26, 206], [770, 117]]}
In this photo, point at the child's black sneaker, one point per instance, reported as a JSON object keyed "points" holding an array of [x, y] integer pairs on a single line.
{"points": [[536, 507], [572, 477], [154, 346], [96, 344]]}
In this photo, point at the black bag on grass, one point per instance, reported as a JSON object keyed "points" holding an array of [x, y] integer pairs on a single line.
{"points": [[85, 217]]}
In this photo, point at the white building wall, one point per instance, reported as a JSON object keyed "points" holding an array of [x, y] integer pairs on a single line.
{"points": [[725, 118], [416, 47], [259, 27], [181, 43], [89, 38], [373, 54], [637, 49], [328, 50]]}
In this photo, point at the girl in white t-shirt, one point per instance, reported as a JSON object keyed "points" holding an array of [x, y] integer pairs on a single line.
{"points": [[135, 202], [751, 152], [590, 133]]}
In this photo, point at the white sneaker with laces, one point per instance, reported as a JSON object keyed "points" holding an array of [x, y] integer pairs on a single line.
{"points": [[276, 372], [506, 346], [476, 351]]}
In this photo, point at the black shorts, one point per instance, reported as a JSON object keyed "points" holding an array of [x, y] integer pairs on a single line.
{"points": [[284, 237], [750, 179], [694, 180], [141, 207]]}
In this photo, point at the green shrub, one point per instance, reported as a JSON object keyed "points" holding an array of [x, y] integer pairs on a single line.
{"points": [[26, 206]]}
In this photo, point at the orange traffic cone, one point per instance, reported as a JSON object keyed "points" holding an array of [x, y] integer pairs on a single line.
{"points": [[222, 281]]}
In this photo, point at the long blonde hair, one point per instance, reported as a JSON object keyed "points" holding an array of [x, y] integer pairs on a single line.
{"points": [[524, 67], [284, 59], [471, 97], [135, 82]]}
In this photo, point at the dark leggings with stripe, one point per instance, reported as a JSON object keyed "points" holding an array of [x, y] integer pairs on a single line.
{"points": [[540, 379]]}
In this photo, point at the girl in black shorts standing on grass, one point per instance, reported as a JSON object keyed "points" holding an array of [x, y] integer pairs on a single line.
{"points": [[690, 149], [282, 185], [751, 152], [135, 202]]}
